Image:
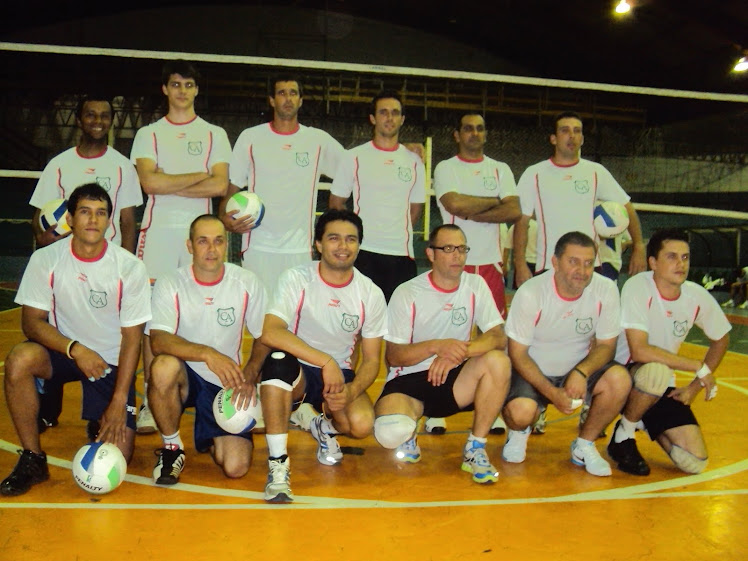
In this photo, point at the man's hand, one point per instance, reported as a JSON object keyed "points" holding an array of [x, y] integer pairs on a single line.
{"points": [[89, 362], [562, 401], [49, 236], [576, 385], [686, 394], [332, 378], [638, 261], [237, 225], [709, 383], [226, 369], [244, 396], [339, 401], [439, 370], [113, 427], [453, 350]]}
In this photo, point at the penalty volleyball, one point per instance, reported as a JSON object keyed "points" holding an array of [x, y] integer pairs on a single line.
{"points": [[248, 204], [99, 467], [610, 219], [233, 419], [53, 212]]}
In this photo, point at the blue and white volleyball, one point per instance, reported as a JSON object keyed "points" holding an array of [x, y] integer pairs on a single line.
{"points": [[53, 212], [610, 219], [99, 468]]}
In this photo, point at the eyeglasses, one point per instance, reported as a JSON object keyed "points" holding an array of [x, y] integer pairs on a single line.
{"points": [[449, 248]]}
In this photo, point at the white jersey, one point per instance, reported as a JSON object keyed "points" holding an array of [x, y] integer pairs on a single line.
{"points": [[283, 169], [329, 317], [562, 198], [384, 184], [419, 311], [667, 322], [558, 331], [479, 178], [110, 169], [195, 146], [88, 300], [210, 314]]}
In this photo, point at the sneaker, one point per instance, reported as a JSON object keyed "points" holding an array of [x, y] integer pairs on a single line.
{"points": [[539, 426], [587, 455], [278, 487], [498, 427], [168, 467], [515, 448], [303, 416], [145, 423], [627, 455], [435, 425], [743, 306], [30, 470], [583, 419], [409, 451], [328, 451], [475, 461], [728, 304]]}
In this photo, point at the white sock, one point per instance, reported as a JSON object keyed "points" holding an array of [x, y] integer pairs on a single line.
{"points": [[277, 444], [327, 426], [173, 441], [582, 442], [626, 429], [475, 442]]}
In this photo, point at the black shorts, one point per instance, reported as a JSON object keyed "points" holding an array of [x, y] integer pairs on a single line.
{"points": [[314, 384], [522, 388], [438, 401], [667, 413], [387, 271]]}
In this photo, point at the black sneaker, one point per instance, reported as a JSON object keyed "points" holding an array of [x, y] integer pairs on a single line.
{"points": [[30, 470], [627, 455], [168, 467]]}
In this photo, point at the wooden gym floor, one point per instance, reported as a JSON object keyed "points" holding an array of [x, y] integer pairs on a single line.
{"points": [[372, 508]]}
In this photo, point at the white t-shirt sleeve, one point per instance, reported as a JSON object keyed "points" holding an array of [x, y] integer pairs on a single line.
{"points": [[163, 306], [523, 314], [285, 296], [221, 154], [143, 146], [507, 184], [634, 304], [342, 184], [711, 319], [332, 154], [131, 194], [46, 188], [400, 317], [609, 325], [526, 192], [487, 316], [255, 314], [445, 180], [608, 189], [35, 289], [136, 302], [376, 315], [418, 194]]}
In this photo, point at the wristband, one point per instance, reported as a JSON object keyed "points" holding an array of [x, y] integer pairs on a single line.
{"points": [[69, 348], [704, 371], [577, 370]]}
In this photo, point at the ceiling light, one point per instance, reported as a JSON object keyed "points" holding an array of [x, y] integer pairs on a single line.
{"points": [[741, 65], [623, 7]]}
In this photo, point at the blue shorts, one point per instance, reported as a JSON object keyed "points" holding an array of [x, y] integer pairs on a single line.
{"points": [[200, 396], [314, 385], [96, 395]]}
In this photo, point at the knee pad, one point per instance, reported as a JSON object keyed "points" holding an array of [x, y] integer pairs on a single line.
{"points": [[653, 378], [281, 369], [393, 430], [685, 461]]}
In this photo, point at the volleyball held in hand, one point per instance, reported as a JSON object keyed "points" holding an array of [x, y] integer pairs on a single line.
{"points": [[99, 468], [610, 219], [248, 204], [233, 419], [53, 212]]}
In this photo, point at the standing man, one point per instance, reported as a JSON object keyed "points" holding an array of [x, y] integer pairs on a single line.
{"points": [[435, 367], [318, 313], [198, 323], [92, 160], [562, 329], [659, 308], [388, 185], [182, 162], [281, 161], [85, 326], [560, 193]]}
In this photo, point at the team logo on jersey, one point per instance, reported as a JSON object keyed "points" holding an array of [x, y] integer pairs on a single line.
{"points": [[97, 299], [404, 174], [195, 147], [105, 182], [459, 316], [349, 323], [489, 183], [582, 186], [680, 328], [208, 301], [334, 303], [584, 326], [226, 317], [82, 277], [90, 171], [302, 159]]}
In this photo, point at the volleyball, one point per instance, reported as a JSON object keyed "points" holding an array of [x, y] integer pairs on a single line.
{"points": [[610, 219], [53, 212], [99, 468], [248, 204], [232, 419]]}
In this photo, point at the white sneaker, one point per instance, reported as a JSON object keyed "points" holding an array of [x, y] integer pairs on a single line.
{"points": [[303, 416], [498, 427], [475, 460], [729, 304], [145, 423], [587, 455], [515, 448], [435, 425], [743, 306], [409, 451], [278, 487], [328, 449]]}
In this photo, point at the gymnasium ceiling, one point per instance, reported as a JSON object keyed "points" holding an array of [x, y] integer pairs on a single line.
{"points": [[684, 44]]}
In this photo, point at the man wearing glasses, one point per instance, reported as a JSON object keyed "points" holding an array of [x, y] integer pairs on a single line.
{"points": [[435, 368]]}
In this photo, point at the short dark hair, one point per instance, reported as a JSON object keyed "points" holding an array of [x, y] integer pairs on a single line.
{"points": [[385, 94], [91, 192], [182, 67], [199, 219], [458, 122], [573, 238], [273, 82], [435, 232], [333, 214], [658, 239], [564, 115], [91, 97]]}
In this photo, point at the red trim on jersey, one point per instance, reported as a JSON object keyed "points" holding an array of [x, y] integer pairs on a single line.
{"points": [[155, 145], [537, 317], [553, 279], [113, 223], [180, 124], [295, 329], [562, 165], [664, 298], [59, 184], [178, 311], [649, 302], [150, 205], [695, 315], [313, 199], [210, 149], [541, 220], [238, 353], [599, 308], [408, 222], [251, 188], [54, 306], [331, 285], [469, 161], [385, 149], [192, 272], [272, 128], [92, 259], [357, 184], [119, 295], [438, 289], [99, 155], [472, 311]]}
